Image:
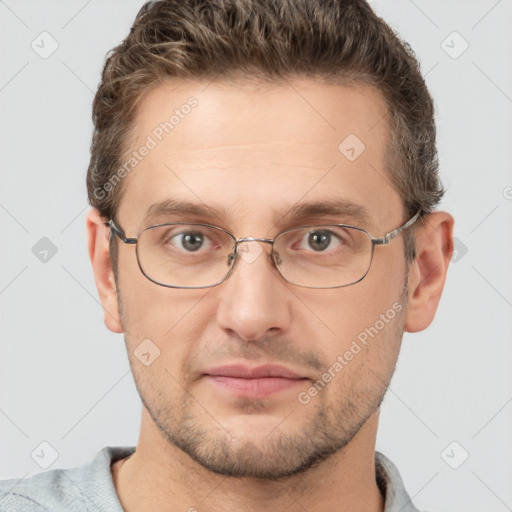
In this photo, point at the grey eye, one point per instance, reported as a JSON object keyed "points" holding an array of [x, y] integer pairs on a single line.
{"points": [[319, 240], [191, 241]]}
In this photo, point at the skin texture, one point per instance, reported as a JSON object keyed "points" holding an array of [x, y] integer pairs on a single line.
{"points": [[251, 153]]}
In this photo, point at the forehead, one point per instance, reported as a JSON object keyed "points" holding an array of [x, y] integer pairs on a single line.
{"points": [[259, 150]]}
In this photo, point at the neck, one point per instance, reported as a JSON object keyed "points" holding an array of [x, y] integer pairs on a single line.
{"points": [[160, 477]]}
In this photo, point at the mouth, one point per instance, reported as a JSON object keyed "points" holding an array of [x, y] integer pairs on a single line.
{"points": [[253, 382]]}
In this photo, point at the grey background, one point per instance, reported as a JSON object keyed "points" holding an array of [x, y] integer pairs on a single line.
{"points": [[65, 379]]}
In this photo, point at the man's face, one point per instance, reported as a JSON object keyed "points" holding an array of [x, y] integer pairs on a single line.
{"points": [[251, 154]]}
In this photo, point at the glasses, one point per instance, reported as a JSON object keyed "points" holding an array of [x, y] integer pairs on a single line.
{"points": [[195, 255]]}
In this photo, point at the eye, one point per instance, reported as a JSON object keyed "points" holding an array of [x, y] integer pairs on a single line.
{"points": [[320, 240], [190, 241]]}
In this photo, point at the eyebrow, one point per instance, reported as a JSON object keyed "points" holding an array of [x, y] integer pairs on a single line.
{"points": [[182, 208], [340, 209]]}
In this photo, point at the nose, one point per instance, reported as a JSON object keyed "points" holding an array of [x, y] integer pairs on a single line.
{"points": [[254, 299]]}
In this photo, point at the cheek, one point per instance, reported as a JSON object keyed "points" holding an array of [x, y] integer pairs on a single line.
{"points": [[367, 313], [163, 311], [148, 309], [172, 319]]}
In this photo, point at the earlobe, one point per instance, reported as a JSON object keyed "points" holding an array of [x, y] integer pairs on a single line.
{"points": [[98, 243], [427, 274]]}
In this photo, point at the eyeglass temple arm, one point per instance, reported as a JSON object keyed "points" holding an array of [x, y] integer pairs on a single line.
{"points": [[119, 233], [389, 236]]}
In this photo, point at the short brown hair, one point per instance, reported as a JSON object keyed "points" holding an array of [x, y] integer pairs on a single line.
{"points": [[340, 41]]}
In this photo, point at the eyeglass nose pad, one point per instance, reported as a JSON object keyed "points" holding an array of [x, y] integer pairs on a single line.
{"points": [[231, 258], [277, 258]]}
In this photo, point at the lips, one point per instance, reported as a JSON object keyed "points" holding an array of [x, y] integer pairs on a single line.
{"points": [[256, 381], [246, 372]]}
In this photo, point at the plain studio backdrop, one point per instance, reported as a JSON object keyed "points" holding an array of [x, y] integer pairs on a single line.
{"points": [[446, 420]]}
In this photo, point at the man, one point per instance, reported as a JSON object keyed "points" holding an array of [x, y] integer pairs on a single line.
{"points": [[263, 179]]}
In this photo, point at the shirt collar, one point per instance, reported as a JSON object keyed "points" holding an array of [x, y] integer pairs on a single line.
{"points": [[392, 487]]}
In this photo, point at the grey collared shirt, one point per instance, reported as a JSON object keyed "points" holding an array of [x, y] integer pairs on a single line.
{"points": [[90, 488]]}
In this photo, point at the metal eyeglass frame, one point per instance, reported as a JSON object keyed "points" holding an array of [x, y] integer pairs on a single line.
{"points": [[234, 255]]}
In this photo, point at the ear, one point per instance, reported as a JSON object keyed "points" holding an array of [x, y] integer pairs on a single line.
{"points": [[98, 242], [427, 273]]}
